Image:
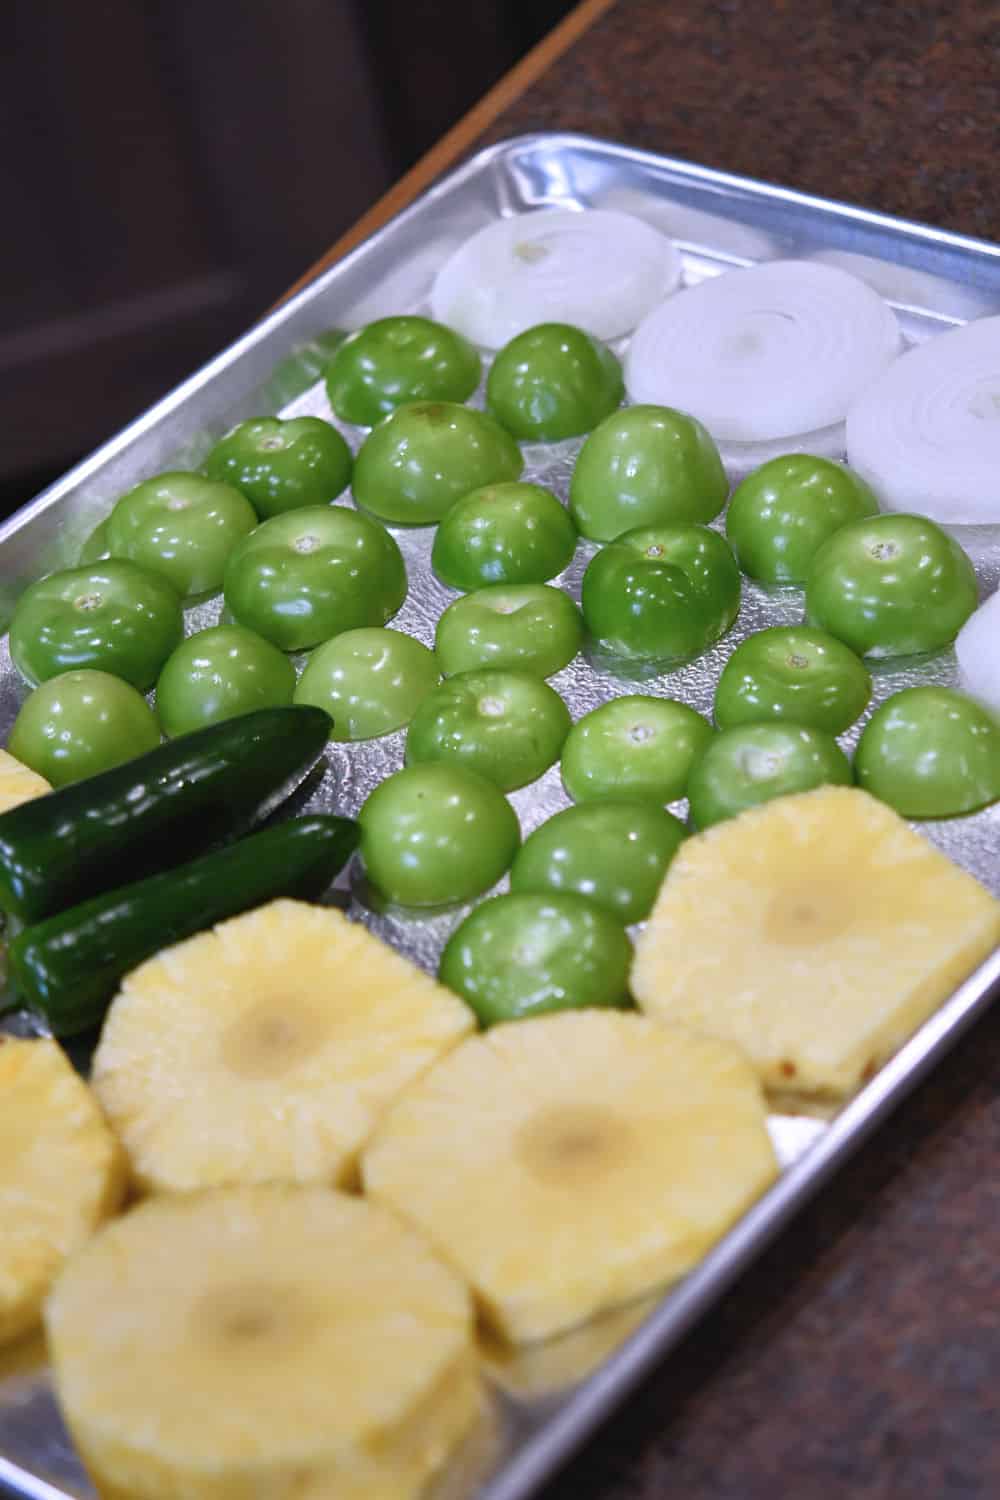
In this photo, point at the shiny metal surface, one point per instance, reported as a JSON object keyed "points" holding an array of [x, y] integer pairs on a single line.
{"points": [[547, 1399]]}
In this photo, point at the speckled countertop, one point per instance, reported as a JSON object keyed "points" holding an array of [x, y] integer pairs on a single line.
{"points": [[861, 1356]]}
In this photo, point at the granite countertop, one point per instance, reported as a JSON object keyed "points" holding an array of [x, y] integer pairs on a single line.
{"points": [[861, 1356]]}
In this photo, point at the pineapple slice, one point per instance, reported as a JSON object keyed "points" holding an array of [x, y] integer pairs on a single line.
{"points": [[18, 783], [276, 1341], [61, 1173], [817, 931], [567, 1163], [266, 1049]]}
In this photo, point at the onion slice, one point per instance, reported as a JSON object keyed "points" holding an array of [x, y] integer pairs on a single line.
{"points": [[978, 652], [769, 352], [601, 271], [926, 436]]}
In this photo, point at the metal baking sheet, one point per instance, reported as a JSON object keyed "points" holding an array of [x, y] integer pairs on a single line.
{"points": [[545, 1401]]}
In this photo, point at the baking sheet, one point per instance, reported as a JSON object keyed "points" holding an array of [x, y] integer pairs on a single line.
{"points": [[545, 1401]]}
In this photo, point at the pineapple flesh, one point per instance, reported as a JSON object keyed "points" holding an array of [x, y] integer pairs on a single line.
{"points": [[61, 1173], [272, 1341], [818, 932], [18, 783], [266, 1049], [568, 1163]]}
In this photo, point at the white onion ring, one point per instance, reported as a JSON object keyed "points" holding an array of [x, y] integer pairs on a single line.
{"points": [[978, 652], [600, 271], [768, 352], [926, 436]]}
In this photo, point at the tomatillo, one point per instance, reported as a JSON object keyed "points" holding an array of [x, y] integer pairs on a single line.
{"points": [[435, 835], [782, 513], [503, 533], [793, 672], [527, 954], [615, 853], [369, 681], [80, 723], [425, 456], [551, 382], [113, 616], [182, 527], [930, 753], [635, 747], [754, 763], [282, 465], [528, 627], [508, 726], [395, 360], [304, 577], [646, 466], [218, 674], [891, 585], [661, 593]]}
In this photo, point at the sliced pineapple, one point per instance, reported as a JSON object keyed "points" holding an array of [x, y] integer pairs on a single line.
{"points": [[61, 1173], [818, 931], [18, 783], [566, 1164], [290, 1343], [266, 1049]]}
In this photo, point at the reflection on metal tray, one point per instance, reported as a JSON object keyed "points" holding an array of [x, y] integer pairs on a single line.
{"points": [[548, 1399]]}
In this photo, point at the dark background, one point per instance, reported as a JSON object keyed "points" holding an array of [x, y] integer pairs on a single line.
{"points": [[170, 166]]}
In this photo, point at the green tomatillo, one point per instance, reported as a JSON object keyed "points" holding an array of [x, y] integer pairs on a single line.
{"points": [[369, 681], [646, 466], [635, 747], [395, 360], [182, 527], [661, 594], [526, 627], [112, 616], [551, 382], [528, 954], [508, 726], [793, 672], [425, 456], [782, 513], [930, 753], [282, 465], [80, 723], [503, 533], [891, 585], [303, 577], [218, 674], [754, 763]]}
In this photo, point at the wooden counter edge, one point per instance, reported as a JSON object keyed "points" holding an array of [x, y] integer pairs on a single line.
{"points": [[457, 140]]}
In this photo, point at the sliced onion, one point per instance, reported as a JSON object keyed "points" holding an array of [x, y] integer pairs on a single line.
{"points": [[767, 352], [978, 652], [926, 436], [600, 271]]}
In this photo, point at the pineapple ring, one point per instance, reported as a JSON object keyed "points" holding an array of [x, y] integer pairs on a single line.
{"points": [[61, 1173], [817, 932], [266, 1049], [600, 1155], [279, 1341]]}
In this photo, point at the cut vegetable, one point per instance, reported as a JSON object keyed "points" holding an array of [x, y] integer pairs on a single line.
{"points": [[599, 270], [61, 1173], [843, 931], [268, 1341], [569, 1163], [768, 352], [978, 650], [926, 435], [266, 1049]]}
